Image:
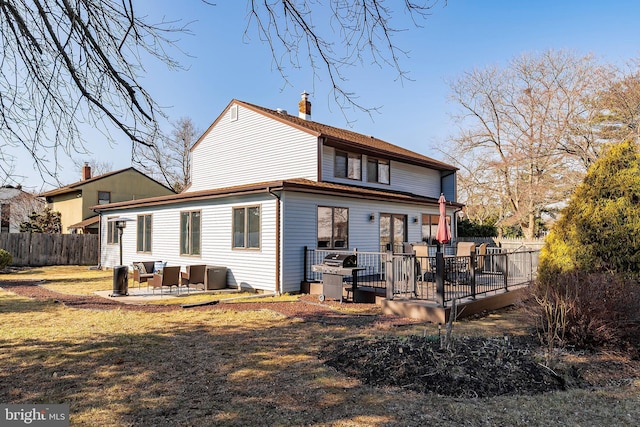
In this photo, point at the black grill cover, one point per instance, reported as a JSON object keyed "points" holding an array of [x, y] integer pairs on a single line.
{"points": [[341, 260]]}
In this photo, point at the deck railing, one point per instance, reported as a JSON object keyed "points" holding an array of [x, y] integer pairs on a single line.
{"points": [[439, 277], [373, 263]]}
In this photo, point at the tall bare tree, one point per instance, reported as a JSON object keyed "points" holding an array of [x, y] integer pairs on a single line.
{"points": [[169, 159], [516, 121], [66, 63]]}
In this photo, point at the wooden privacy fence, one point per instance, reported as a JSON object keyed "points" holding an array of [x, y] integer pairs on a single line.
{"points": [[38, 249]]}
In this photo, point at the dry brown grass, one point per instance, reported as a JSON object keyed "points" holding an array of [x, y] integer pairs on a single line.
{"points": [[67, 279], [227, 367]]}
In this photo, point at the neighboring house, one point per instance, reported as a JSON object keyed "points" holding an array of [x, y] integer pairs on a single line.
{"points": [[265, 184], [15, 207], [75, 201]]}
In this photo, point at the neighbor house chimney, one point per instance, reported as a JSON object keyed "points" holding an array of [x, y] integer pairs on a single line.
{"points": [[86, 172], [305, 107]]}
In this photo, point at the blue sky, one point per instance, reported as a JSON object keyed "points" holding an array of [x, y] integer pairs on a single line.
{"points": [[463, 35]]}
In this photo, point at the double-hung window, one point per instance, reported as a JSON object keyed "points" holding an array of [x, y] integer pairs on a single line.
{"points": [[104, 197], [144, 233], [190, 232], [348, 165], [378, 171], [246, 227], [112, 233], [333, 227], [430, 227]]}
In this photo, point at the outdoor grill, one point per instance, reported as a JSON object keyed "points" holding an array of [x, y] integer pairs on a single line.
{"points": [[333, 268]]}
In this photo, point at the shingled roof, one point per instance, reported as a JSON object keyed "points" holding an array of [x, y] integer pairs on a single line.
{"points": [[296, 184], [76, 186], [343, 138]]}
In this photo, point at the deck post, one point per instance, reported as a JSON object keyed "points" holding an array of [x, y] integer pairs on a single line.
{"points": [[305, 259], [389, 274], [506, 272], [472, 274], [440, 279]]}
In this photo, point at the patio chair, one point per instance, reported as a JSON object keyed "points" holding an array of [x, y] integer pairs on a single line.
{"points": [[143, 271], [465, 248], [170, 277], [480, 256], [194, 277], [425, 269], [462, 268], [407, 248]]}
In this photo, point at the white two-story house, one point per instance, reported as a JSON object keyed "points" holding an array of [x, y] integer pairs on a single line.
{"points": [[267, 184]]}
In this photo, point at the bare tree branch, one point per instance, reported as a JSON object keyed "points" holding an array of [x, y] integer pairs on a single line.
{"points": [[364, 28], [69, 62]]}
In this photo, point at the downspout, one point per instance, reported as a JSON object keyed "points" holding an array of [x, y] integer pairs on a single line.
{"points": [[99, 266], [277, 239]]}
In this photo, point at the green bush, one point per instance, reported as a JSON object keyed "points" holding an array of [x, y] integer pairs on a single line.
{"points": [[587, 290], [599, 230], [468, 228], [5, 259]]}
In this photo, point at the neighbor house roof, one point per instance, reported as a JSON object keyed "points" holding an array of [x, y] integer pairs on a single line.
{"points": [[296, 184], [86, 223], [76, 186], [341, 138]]}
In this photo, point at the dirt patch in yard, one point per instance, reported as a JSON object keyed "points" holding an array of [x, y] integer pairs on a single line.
{"points": [[307, 308]]}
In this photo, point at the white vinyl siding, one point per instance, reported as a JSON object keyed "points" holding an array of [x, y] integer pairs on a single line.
{"points": [[257, 268], [253, 269], [299, 215], [251, 149], [403, 177]]}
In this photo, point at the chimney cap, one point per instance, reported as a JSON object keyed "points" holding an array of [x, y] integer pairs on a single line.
{"points": [[304, 106], [86, 171]]}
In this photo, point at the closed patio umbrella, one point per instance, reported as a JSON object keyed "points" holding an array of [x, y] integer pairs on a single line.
{"points": [[443, 234]]}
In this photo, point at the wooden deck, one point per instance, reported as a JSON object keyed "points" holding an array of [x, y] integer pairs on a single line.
{"points": [[429, 310], [406, 284]]}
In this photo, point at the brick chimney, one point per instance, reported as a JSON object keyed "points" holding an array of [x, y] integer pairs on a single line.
{"points": [[86, 172], [305, 107]]}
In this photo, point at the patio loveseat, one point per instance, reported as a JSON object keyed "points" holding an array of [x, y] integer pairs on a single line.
{"points": [[144, 270]]}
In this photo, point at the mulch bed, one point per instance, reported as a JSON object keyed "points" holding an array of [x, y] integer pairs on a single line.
{"points": [[467, 368]]}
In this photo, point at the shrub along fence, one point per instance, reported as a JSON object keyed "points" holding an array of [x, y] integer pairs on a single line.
{"points": [[39, 249]]}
